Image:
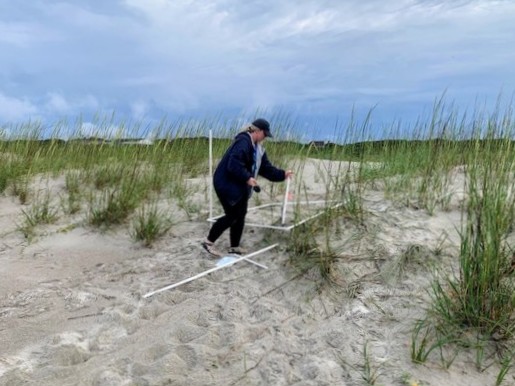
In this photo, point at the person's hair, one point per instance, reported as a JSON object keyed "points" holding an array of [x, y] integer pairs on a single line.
{"points": [[249, 128]]}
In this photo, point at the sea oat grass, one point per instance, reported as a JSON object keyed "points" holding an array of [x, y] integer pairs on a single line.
{"points": [[477, 304], [40, 212], [112, 207], [20, 188], [149, 224]]}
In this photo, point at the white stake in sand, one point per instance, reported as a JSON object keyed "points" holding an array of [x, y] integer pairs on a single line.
{"points": [[285, 202], [229, 263], [210, 173]]}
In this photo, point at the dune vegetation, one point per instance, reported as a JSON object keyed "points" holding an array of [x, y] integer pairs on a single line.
{"points": [[114, 181]]}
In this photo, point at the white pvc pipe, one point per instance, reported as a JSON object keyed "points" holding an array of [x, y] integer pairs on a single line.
{"points": [[210, 173], [282, 228], [256, 263], [213, 219], [285, 202], [209, 271]]}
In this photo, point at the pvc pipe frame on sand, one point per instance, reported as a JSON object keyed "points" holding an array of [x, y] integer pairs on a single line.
{"points": [[202, 274]]}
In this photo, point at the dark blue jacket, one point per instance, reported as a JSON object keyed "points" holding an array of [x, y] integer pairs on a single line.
{"points": [[235, 168]]}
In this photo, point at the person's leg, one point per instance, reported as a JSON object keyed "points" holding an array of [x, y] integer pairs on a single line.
{"points": [[236, 231], [224, 222], [215, 232], [219, 227]]}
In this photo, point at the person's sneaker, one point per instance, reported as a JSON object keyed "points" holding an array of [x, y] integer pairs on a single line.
{"points": [[210, 248], [236, 251]]}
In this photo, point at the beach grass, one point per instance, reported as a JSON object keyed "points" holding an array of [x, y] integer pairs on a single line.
{"points": [[114, 181]]}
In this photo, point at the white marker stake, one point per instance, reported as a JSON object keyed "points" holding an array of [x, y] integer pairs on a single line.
{"points": [[283, 217], [210, 271], [210, 173]]}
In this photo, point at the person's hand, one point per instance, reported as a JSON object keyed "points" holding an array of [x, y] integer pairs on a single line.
{"points": [[288, 173], [252, 182]]}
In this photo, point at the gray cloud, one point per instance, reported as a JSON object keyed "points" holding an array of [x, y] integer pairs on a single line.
{"points": [[147, 58]]}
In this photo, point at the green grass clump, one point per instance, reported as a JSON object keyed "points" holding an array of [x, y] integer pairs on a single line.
{"points": [[72, 204], [40, 212], [112, 207], [310, 247], [476, 307], [150, 224], [482, 296]]}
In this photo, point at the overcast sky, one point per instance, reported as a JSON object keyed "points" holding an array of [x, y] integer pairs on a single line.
{"points": [[317, 60]]}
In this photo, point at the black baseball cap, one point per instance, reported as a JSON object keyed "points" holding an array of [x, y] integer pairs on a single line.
{"points": [[263, 124]]}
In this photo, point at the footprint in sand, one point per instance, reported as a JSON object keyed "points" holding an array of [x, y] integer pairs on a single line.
{"points": [[188, 355]]}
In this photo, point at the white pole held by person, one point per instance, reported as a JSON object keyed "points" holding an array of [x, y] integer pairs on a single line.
{"points": [[285, 202]]}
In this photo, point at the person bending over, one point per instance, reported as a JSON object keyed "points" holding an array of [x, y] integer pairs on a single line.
{"points": [[234, 179]]}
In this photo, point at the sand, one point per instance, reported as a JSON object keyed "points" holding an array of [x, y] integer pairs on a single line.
{"points": [[72, 310]]}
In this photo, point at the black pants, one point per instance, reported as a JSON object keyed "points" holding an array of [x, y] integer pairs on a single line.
{"points": [[234, 218]]}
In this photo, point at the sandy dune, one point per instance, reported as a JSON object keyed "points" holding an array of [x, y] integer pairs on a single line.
{"points": [[72, 311]]}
